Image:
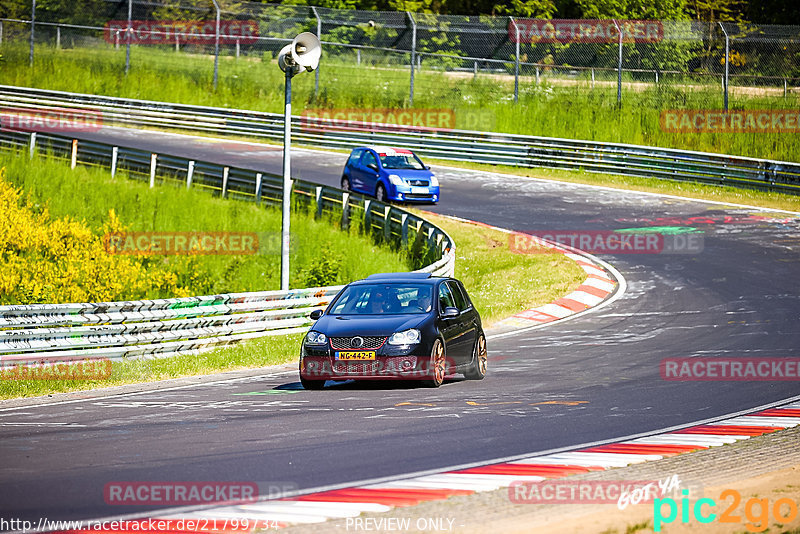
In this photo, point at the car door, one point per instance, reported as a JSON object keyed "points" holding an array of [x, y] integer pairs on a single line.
{"points": [[469, 317], [452, 328], [353, 164], [369, 175]]}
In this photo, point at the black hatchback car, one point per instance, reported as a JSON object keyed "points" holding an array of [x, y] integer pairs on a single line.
{"points": [[395, 326]]}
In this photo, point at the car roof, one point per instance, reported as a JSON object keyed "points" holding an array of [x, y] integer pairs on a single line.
{"points": [[388, 150], [400, 277]]}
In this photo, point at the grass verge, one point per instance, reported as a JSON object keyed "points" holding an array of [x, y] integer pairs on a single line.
{"points": [[86, 195], [548, 108]]}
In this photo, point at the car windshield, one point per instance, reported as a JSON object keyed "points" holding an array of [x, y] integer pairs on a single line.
{"points": [[383, 299], [401, 161]]}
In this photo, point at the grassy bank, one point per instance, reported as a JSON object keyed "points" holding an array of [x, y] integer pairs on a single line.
{"points": [[483, 103], [62, 210]]}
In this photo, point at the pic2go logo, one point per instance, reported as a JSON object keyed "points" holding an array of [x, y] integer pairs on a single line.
{"points": [[756, 511]]}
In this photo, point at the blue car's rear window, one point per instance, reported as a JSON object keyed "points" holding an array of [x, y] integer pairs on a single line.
{"points": [[380, 299]]}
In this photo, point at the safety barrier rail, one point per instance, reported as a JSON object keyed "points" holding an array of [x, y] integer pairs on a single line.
{"points": [[157, 328], [455, 145]]}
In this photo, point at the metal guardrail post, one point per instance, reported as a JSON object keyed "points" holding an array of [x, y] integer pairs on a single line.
{"points": [[726, 80], [73, 160], [114, 157], [153, 165], [258, 187], [58, 37], [345, 210], [413, 54], [1, 32], [225, 172], [387, 222], [318, 200], [33, 144], [189, 174]]}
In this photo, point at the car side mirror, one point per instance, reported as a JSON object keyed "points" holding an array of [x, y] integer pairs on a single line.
{"points": [[372, 166], [450, 313], [427, 167], [316, 314]]}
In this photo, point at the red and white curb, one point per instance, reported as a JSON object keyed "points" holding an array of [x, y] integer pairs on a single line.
{"points": [[602, 280], [382, 496]]}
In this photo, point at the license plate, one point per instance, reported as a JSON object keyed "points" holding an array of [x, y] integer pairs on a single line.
{"points": [[355, 355], [419, 190]]}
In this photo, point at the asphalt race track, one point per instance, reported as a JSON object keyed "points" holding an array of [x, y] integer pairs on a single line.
{"points": [[739, 297]]}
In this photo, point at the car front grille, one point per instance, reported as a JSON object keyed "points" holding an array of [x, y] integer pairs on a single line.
{"points": [[412, 196], [351, 343], [355, 368], [422, 183]]}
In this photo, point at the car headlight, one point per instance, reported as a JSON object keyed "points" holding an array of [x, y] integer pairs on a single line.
{"points": [[316, 338], [395, 179], [434, 180], [407, 337]]}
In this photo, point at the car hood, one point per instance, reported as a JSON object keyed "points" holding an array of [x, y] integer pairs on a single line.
{"points": [[366, 325], [413, 174]]}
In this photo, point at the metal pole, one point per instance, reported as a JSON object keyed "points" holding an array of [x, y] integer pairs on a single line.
{"points": [[727, 64], [216, 44], [516, 60], [319, 36], [58, 37], [129, 34], [1, 32], [287, 181], [413, 53], [619, 65], [33, 27]]}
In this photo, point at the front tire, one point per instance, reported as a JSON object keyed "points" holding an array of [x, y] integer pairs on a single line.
{"points": [[437, 366], [477, 369], [380, 193], [346, 183], [312, 384]]}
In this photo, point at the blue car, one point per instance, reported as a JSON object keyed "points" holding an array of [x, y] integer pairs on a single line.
{"points": [[390, 174]]}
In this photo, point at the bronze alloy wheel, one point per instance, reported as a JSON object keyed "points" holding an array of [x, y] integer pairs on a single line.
{"points": [[477, 370], [437, 365]]}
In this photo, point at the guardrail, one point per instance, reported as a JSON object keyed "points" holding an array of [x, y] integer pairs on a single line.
{"points": [[453, 145], [157, 328]]}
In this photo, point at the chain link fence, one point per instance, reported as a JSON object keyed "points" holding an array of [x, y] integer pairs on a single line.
{"points": [[423, 59]]}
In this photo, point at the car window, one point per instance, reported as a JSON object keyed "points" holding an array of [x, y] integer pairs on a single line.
{"points": [[378, 299], [354, 157], [464, 293], [445, 298], [401, 161], [368, 158], [458, 297]]}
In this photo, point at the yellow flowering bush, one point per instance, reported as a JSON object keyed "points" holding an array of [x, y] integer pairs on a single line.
{"points": [[48, 260]]}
